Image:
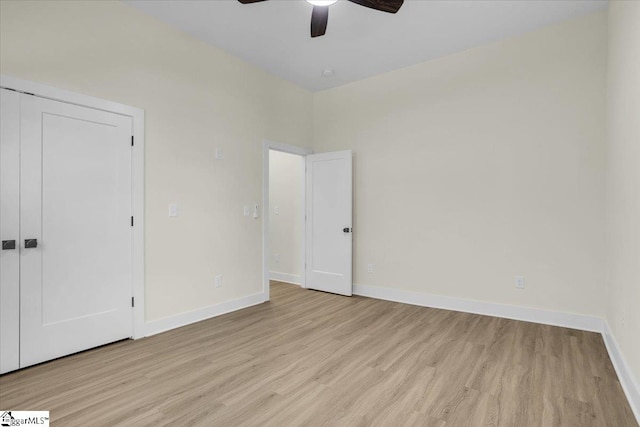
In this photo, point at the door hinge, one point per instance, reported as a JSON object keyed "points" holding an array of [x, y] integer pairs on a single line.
{"points": [[132, 221], [133, 302], [132, 140]]}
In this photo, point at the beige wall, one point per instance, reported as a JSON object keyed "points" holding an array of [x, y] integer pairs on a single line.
{"points": [[196, 98], [470, 169], [623, 180], [480, 166], [286, 226]]}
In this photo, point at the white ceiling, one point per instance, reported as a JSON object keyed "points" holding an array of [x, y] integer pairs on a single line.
{"points": [[359, 42]]}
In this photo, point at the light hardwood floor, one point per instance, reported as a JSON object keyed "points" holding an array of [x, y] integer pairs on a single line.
{"points": [[309, 358]]}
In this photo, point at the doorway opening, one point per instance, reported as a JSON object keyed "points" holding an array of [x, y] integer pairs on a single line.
{"points": [[284, 214], [316, 239], [286, 217]]}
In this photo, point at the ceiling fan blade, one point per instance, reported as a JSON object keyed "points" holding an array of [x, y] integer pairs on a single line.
{"points": [[250, 1], [391, 6], [319, 19]]}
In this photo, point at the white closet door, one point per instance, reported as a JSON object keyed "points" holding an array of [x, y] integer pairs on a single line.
{"points": [[75, 170], [329, 209], [9, 230]]}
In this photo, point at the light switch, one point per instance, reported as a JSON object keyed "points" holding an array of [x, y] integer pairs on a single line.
{"points": [[219, 154], [173, 209], [256, 211]]}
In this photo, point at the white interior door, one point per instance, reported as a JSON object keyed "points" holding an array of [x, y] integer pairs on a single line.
{"points": [[9, 230], [75, 229], [329, 217]]}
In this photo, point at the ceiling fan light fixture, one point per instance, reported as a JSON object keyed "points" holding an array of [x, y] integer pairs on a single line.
{"points": [[320, 12], [321, 2]]}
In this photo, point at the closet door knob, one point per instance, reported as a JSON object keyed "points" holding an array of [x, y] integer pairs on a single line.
{"points": [[8, 244], [30, 243]]}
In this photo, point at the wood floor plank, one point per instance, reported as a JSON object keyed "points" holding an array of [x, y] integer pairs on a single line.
{"points": [[310, 358]]}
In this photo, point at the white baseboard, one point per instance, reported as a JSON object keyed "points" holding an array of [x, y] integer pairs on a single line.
{"points": [[527, 314], [625, 374], [162, 325], [285, 277]]}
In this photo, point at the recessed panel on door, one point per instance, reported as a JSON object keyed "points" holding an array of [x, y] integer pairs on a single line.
{"points": [[75, 232]]}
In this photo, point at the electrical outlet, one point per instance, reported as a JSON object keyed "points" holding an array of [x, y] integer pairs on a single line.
{"points": [[276, 210], [276, 258], [369, 268], [218, 280], [219, 154], [246, 210], [519, 282], [173, 209], [623, 317]]}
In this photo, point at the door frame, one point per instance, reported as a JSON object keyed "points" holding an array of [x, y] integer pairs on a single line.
{"points": [[137, 175], [291, 149]]}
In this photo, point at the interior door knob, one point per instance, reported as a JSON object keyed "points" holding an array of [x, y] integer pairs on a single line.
{"points": [[8, 244], [30, 243]]}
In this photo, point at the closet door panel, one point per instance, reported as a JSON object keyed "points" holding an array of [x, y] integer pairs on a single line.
{"points": [[9, 230], [76, 203]]}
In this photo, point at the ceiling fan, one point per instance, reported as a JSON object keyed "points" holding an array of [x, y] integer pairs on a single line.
{"points": [[320, 13]]}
